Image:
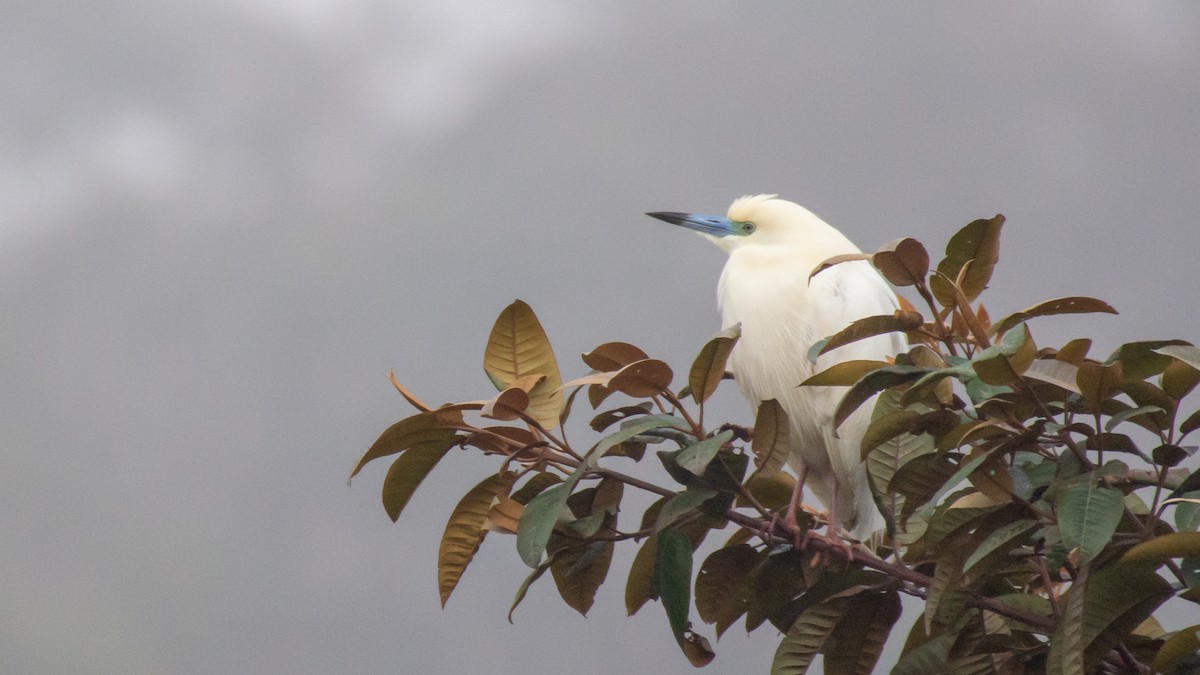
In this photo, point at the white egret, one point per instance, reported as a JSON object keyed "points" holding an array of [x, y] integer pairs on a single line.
{"points": [[773, 246]]}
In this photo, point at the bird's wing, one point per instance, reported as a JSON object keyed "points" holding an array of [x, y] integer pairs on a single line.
{"points": [[854, 291]]}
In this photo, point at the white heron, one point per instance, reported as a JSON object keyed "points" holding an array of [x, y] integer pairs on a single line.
{"points": [[773, 246]]}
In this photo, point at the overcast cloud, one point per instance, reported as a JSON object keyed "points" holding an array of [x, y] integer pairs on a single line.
{"points": [[223, 223]]}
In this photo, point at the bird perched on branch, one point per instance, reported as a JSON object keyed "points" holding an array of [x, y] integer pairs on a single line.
{"points": [[773, 247]]}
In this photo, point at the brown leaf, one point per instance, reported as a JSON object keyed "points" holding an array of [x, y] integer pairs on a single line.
{"points": [[412, 400], [504, 516], [770, 442], [837, 260], [420, 428], [903, 262], [465, 530], [1097, 383], [1069, 305], [508, 405], [871, 326], [613, 356], [977, 244], [642, 379], [518, 348], [708, 369]]}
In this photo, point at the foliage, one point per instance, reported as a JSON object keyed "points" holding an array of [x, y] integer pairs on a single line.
{"points": [[1022, 505]]}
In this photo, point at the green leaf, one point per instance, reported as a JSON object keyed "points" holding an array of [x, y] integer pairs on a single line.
{"points": [[579, 570], [542, 513], [856, 643], [1115, 601], [533, 576], [406, 473], [709, 366], [723, 585], [682, 504], [534, 487], [1164, 547], [1180, 646], [695, 457], [1000, 541], [869, 327], [886, 427], [844, 374], [1088, 515], [423, 429], [903, 262], [1140, 360], [517, 348], [637, 427], [978, 244], [1097, 382], [1071, 305], [807, 636], [465, 530], [872, 383], [672, 580], [641, 574]]}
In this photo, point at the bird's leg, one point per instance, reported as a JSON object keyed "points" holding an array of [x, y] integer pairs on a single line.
{"points": [[833, 530], [789, 519]]}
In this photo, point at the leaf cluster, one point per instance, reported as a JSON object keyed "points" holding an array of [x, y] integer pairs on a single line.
{"points": [[1034, 496]]}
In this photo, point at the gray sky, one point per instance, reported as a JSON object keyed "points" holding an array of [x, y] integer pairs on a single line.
{"points": [[222, 223]]}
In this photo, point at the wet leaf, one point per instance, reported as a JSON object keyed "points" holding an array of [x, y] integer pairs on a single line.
{"points": [[977, 244], [613, 356], [1088, 515], [517, 348], [903, 262], [1070, 305], [465, 530], [870, 327], [709, 366]]}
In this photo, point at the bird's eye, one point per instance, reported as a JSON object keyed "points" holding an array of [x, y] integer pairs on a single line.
{"points": [[748, 228]]}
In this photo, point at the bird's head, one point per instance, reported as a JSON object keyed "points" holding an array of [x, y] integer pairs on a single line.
{"points": [[759, 219]]}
